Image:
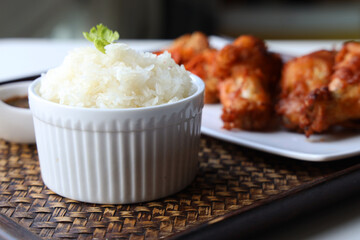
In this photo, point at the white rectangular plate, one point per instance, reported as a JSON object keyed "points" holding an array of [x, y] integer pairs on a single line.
{"points": [[318, 148]]}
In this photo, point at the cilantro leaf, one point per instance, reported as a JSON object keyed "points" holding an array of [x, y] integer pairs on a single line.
{"points": [[101, 36]]}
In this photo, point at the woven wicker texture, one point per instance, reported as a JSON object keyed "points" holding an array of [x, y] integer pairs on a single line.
{"points": [[230, 180]]}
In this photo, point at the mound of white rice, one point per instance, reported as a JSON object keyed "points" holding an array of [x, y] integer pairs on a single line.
{"points": [[121, 78]]}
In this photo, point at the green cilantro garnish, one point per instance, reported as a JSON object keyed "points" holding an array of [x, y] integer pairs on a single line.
{"points": [[101, 36]]}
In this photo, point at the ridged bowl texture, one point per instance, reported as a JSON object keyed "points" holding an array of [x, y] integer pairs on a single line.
{"points": [[118, 155]]}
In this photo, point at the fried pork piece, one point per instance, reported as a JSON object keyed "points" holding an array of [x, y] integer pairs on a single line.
{"points": [[195, 53], [300, 76], [186, 47], [202, 65], [250, 76], [339, 102]]}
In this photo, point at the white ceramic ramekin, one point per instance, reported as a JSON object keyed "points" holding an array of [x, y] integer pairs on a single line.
{"points": [[118, 155], [16, 124]]}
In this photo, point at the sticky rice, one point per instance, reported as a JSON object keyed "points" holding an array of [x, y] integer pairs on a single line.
{"points": [[121, 78]]}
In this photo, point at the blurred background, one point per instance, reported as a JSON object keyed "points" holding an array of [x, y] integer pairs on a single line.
{"points": [[166, 19]]}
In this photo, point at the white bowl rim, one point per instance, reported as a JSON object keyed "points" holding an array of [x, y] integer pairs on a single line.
{"points": [[197, 82]]}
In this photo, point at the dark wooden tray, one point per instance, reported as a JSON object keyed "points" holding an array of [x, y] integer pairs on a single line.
{"points": [[237, 191]]}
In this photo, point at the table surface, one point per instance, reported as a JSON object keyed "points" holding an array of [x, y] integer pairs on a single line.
{"points": [[25, 57]]}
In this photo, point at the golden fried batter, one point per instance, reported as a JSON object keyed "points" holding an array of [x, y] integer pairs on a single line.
{"points": [[339, 102], [250, 75], [186, 47], [203, 65], [195, 53], [300, 76], [317, 90]]}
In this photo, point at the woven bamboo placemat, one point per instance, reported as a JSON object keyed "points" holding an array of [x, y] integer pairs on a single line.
{"points": [[231, 180]]}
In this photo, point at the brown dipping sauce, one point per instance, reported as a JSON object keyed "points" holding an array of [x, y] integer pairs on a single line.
{"points": [[21, 102]]}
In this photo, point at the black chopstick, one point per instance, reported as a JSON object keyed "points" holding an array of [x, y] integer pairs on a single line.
{"points": [[28, 78]]}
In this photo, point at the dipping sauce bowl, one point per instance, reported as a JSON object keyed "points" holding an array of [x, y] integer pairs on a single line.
{"points": [[16, 123]]}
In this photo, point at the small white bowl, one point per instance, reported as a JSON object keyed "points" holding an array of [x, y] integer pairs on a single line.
{"points": [[118, 156], [16, 124]]}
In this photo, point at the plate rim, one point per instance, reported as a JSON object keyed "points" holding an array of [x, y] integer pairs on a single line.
{"points": [[276, 151]]}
